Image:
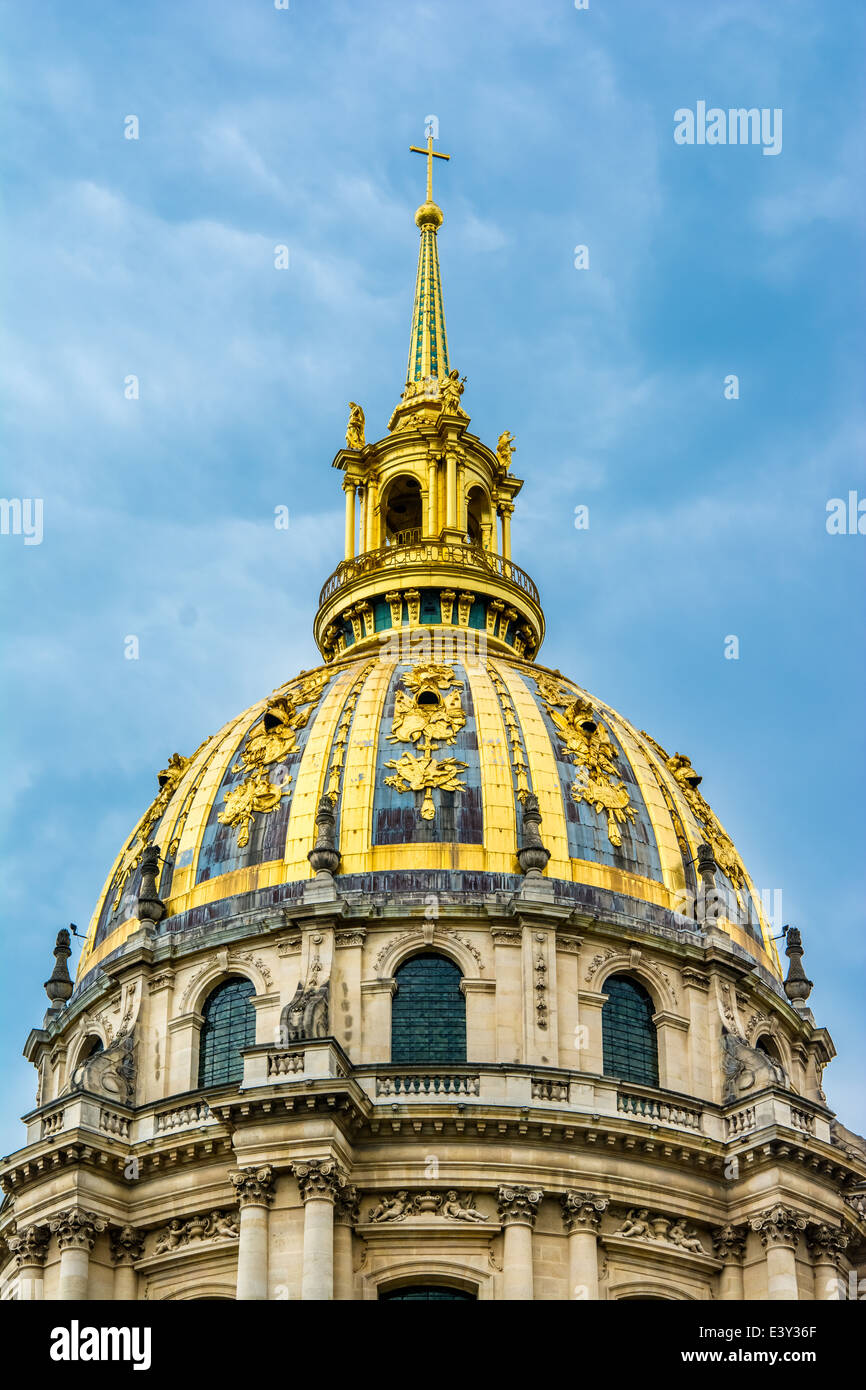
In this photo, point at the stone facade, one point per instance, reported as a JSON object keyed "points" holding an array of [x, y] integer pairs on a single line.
{"points": [[524, 1173]]}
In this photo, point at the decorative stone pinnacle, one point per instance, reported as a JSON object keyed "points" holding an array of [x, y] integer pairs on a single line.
{"points": [[519, 1205], [533, 857], [582, 1211], [150, 908], [778, 1225], [254, 1187], [76, 1229], [319, 1179], [59, 986], [797, 986], [729, 1242], [707, 865], [324, 856], [127, 1244]]}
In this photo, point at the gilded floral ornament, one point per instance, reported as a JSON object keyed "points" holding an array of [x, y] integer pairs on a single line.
{"points": [[427, 712], [588, 745]]}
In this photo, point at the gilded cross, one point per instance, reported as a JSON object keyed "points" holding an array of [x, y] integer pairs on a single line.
{"points": [[431, 155]]}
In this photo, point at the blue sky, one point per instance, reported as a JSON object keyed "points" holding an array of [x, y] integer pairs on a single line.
{"points": [[155, 257]]}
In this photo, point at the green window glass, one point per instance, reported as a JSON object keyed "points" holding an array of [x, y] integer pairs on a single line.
{"points": [[628, 1032], [229, 1024], [427, 1293], [428, 1013]]}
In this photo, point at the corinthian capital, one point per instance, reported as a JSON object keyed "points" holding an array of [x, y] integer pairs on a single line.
{"points": [[29, 1246], [582, 1211], [826, 1243], [76, 1229], [519, 1205], [254, 1187], [319, 1179], [778, 1225]]}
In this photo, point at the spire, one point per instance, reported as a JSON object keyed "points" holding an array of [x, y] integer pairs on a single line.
{"points": [[428, 342]]}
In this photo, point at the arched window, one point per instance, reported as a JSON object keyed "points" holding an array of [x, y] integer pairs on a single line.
{"points": [[402, 511], [428, 1012], [628, 1032], [229, 1024]]}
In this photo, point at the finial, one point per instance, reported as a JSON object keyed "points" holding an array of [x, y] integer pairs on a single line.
{"points": [[708, 906], [797, 986], [429, 214], [533, 857], [151, 908], [59, 986], [324, 856]]}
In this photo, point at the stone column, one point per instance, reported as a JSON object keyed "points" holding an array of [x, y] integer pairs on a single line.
{"points": [[319, 1180], [451, 490], [346, 1212], [349, 489], [432, 491], [778, 1228], [127, 1246], [729, 1245], [505, 510], [372, 492], [30, 1247], [76, 1231], [255, 1193], [826, 1246], [518, 1208], [582, 1213]]}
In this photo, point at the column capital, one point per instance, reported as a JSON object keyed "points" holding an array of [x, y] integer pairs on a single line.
{"points": [[76, 1229], [582, 1211], [319, 1179], [729, 1243], [127, 1244], [30, 1246], [778, 1226], [519, 1205], [826, 1243], [254, 1187], [347, 1209]]}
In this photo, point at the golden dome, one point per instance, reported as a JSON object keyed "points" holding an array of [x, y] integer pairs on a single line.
{"points": [[430, 727], [428, 764]]}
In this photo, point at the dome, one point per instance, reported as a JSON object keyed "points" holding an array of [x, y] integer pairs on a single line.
{"points": [[428, 765]]}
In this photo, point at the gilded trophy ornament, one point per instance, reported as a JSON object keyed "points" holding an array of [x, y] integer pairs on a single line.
{"points": [[255, 795], [355, 427], [428, 712], [167, 780], [588, 745], [270, 741], [688, 781]]}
